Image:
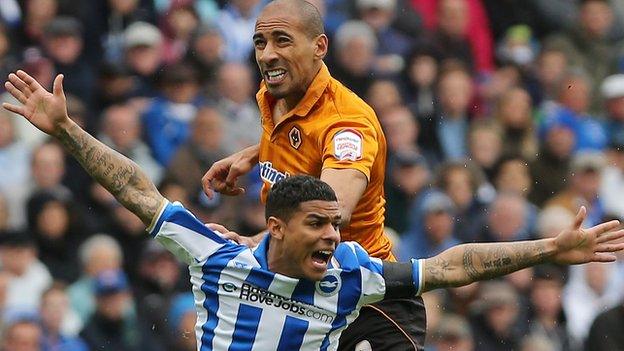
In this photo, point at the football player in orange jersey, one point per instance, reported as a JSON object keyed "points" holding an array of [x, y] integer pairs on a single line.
{"points": [[312, 124]]}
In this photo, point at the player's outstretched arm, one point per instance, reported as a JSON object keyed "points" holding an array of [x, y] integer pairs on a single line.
{"points": [[464, 264], [119, 175]]}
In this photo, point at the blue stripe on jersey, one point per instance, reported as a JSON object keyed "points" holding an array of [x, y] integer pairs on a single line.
{"points": [[292, 334], [304, 291], [348, 298], [246, 327], [181, 216], [169, 208], [365, 260], [212, 270], [260, 278]]}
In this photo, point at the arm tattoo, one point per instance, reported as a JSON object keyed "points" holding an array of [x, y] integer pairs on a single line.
{"points": [[119, 175], [467, 263]]}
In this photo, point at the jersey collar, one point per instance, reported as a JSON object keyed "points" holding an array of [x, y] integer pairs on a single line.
{"points": [[312, 95], [261, 251]]}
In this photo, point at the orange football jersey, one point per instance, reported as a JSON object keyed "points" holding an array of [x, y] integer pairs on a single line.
{"points": [[331, 127]]}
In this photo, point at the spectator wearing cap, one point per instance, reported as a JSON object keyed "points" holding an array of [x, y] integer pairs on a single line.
{"points": [[408, 180], [167, 118], [63, 43], [235, 100], [583, 187], [107, 329], [158, 283], [23, 333], [435, 233], [18, 256], [452, 333], [143, 52], [55, 317], [572, 110], [237, 22], [494, 322]]}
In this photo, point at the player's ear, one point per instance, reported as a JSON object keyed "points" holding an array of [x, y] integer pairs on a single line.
{"points": [[321, 46], [276, 227]]}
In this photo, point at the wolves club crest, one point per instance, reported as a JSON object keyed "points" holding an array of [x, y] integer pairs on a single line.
{"points": [[294, 136]]}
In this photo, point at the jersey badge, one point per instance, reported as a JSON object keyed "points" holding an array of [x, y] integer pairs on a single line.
{"points": [[294, 136], [348, 145], [329, 285]]}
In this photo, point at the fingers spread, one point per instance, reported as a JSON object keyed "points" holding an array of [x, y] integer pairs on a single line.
{"points": [[15, 109], [15, 92], [19, 84], [32, 83], [610, 247]]}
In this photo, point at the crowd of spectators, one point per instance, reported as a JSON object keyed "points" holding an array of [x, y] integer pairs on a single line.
{"points": [[502, 119]]}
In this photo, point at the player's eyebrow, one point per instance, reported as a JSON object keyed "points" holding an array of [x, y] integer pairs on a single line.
{"points": [[323, 217]]}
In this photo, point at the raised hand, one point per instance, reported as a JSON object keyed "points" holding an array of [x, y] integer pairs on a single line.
{"points": [[46, 111], [595, 244]]}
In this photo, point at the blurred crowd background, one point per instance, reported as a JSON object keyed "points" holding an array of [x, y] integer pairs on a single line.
{"points": [[502, 117]]}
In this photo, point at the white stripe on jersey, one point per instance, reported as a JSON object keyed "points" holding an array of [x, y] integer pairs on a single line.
{"points": [[242, 305]]}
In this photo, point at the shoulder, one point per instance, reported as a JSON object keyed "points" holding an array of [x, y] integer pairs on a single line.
{"points": [[346, 103]]}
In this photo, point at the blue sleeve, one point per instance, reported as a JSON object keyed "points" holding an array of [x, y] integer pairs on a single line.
{"points": [[184, 235]]}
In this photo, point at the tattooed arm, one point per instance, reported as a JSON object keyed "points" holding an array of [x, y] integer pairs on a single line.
{"points": [[464, 264], [119, 175]]}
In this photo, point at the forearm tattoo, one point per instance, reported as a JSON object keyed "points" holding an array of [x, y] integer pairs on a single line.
{"points": [[467, 263], [119, 175]]}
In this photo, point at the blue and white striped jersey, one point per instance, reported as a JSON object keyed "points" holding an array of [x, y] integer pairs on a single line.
{"points": [[241, 305]]}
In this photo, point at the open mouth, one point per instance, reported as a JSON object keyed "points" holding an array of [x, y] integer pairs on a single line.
{"points": [[274, 76], [321, 258]]}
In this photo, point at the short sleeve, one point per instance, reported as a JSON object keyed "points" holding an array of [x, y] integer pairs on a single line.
{"points": [[183, 234], [351, 145]]}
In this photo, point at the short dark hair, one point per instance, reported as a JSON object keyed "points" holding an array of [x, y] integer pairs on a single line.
{"points": [[286, 195]]}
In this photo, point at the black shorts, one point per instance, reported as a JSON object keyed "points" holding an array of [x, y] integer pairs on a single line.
{"points": [[389, 325]]}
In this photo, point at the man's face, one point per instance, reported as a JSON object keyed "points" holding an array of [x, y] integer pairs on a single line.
{"points": [[24, 336], [288, 58], [311, 236]]}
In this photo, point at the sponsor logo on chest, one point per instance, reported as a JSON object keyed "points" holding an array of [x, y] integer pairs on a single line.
{"points": [[269, 174]]}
